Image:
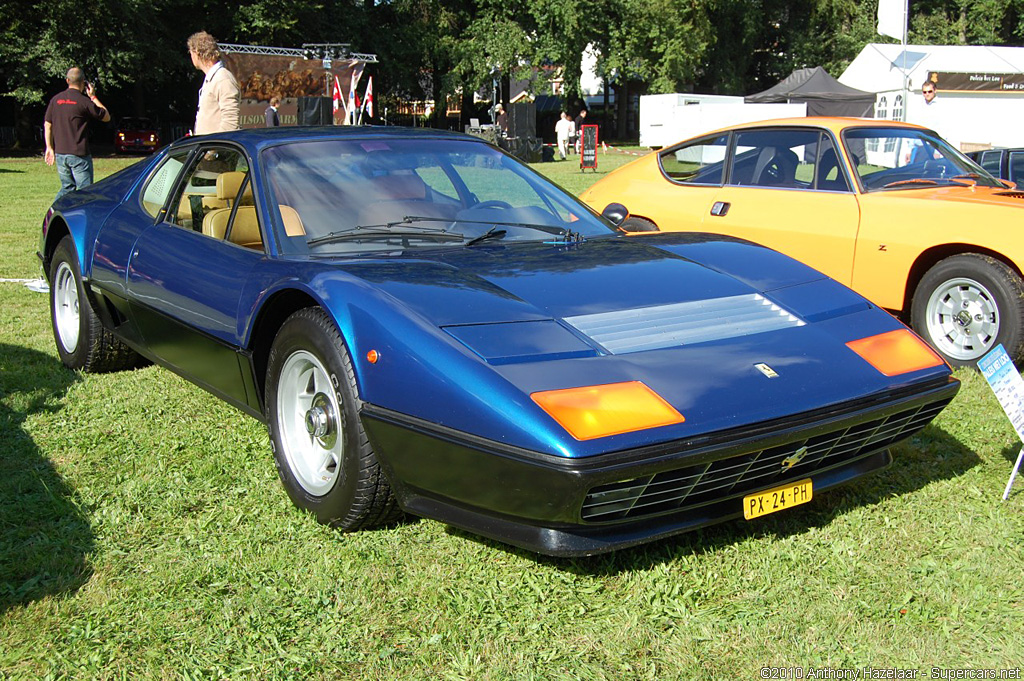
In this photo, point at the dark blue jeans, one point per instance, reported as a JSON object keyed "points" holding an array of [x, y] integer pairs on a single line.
{"points": [[74, 172]]}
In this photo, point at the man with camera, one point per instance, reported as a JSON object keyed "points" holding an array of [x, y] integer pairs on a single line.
{"points": [[66, 131]]}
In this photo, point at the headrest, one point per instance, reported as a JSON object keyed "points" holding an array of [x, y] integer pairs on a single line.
{"points": [[228, 184]]}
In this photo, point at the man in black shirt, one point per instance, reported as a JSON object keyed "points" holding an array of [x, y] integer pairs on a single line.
{"points": [[579, 121], [66, 130]]}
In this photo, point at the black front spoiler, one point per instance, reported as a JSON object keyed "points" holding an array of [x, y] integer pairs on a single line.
{"points": [[534, 500]]}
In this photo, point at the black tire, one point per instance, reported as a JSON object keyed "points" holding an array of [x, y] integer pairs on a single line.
{"points": [[634, 224], [333, 473], [82, 341], [967, 304]]}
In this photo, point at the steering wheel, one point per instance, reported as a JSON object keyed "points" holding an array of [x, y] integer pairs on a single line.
{"points": [[935, 167], [492, 204]]}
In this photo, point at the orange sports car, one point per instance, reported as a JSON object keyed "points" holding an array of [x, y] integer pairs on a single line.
{"points": [[889, 209]]}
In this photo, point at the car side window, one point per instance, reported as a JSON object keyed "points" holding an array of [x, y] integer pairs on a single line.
{"points": [[775, 158], [1016, 166], [216, 198], [990, 161], [161, 183], [699, 162]]}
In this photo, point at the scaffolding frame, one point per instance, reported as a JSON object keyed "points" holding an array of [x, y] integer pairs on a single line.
{"points": [[320, 51]]}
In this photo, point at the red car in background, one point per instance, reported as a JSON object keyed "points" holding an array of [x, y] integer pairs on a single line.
{"points": [[135, 135]]}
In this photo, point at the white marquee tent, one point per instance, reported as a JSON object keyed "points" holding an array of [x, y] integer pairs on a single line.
{"points": [[980, 100]]}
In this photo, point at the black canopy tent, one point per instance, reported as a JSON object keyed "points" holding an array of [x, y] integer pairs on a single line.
{"points": [[823, 94]]}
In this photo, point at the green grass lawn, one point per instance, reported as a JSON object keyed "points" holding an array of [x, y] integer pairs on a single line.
{"points": [[144, 534]]}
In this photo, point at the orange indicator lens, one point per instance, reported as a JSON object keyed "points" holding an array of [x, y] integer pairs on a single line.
{"points": [[896, 352], [602, 410], [372, 356]]}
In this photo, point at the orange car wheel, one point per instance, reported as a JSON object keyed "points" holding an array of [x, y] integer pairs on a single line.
{"points": [[966, 305]]}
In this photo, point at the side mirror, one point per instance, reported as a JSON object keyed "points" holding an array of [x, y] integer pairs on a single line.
{"points": [[616, 213]]}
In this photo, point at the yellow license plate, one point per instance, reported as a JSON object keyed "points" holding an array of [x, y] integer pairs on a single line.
{"points": [[776, 499]]}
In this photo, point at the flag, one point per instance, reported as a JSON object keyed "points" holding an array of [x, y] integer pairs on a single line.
{"points": [[892, 18], [350, 110], [337, 94], [368, 97]]}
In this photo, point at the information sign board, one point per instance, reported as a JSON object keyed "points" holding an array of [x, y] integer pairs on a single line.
{"points": [[588, 150], [1006, 383]]}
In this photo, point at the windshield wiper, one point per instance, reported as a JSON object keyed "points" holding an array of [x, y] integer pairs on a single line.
{"points": [[916, 180], [492, 233], [382, 234], [570, 237], [385, 229], [966, 179]]}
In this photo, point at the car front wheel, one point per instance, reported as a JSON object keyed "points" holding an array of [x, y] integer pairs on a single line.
{"points": [[634, 224], [966, 305], [82, 341], [322, 454]]}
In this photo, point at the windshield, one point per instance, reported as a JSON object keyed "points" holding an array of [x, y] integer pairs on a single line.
{"points": [[369, 195], [903, 158]]}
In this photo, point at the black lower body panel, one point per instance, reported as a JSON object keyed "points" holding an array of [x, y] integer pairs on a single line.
{"points": [[569, 507]]}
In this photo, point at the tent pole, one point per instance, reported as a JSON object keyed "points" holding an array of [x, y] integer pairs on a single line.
{"points": [[906, 88]]}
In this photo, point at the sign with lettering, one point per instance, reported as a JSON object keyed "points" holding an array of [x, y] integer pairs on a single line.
{"points": [[978, 82], [588, 149], [1006, 383], [261, 77]]}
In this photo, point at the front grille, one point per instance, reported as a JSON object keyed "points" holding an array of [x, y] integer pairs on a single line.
{"points": [[741, 474]]}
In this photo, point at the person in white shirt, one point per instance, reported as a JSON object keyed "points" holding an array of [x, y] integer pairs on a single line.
{"points": [[563, 131]]}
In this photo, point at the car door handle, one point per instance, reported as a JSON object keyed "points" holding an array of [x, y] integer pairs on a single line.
{"points": [[720, 208]]}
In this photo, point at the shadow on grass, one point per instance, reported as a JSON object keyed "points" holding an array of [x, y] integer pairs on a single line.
{"points": [[44, 536], [8, 170], [1010, 453], [929, 456]]}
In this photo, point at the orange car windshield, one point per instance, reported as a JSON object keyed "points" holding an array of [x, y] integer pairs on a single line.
{"points": [[902, 158]]}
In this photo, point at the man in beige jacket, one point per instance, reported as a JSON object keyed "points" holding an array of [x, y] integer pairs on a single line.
{"points": [[219, 97]]}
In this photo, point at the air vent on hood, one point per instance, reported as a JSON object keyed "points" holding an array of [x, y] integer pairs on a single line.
{"points": [[665, 326]]}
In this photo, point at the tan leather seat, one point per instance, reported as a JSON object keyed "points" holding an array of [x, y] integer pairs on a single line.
{"points": [[245, 231], [226, 190], [292, 222], [215, 223]]}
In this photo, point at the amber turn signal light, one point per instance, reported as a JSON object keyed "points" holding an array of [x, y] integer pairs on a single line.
{"points": [[602, 410], [896, 352]]}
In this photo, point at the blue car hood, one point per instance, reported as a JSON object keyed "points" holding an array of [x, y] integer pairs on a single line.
{"points": [[524, 282], [532, 314]]}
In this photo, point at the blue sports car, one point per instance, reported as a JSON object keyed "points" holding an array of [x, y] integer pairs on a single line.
{"points": [[427, 325]]}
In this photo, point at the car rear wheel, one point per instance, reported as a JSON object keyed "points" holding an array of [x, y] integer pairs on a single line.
{"points": [[322, 453], [82, 341], [633, 224], [966, 305]]}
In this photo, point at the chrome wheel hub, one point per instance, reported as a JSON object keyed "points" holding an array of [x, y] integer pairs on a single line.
{"points": [[962, 317], [66, 318], [311, 431], [321, 421]]}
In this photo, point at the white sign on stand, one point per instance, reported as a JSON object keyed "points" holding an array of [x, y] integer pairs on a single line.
{"points": [[1006, 383]]}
